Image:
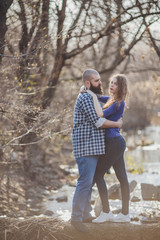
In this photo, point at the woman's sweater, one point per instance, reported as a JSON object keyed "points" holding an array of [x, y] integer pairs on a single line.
{"points": [[113, 113]]}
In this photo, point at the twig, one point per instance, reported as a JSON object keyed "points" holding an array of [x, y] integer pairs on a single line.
{"points": [[32, 143]]}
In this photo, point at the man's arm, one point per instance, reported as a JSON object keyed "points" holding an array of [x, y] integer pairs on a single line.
{"points": [[87, 107], [112, 124]]}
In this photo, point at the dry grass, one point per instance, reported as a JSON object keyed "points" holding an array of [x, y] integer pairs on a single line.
{"points": [[32, 228], [45, 228]]}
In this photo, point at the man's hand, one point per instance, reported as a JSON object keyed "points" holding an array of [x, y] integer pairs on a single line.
{"points": [[120, 123]]}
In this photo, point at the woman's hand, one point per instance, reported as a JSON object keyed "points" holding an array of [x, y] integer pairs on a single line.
{"points": [[120, 122], [83, 89]]}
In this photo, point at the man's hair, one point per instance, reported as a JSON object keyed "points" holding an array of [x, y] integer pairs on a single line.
{"points": [[88, 73]]}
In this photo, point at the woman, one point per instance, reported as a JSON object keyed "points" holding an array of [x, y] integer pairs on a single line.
{"points": [[115, 147]]}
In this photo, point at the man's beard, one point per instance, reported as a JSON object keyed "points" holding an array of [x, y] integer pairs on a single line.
{"points": [[96, 90]]}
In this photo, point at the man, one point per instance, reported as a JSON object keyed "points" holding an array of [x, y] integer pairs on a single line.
{"points": [[88, 140]]}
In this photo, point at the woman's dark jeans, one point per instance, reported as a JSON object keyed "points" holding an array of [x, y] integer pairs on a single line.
{"points": [[114, 156]]}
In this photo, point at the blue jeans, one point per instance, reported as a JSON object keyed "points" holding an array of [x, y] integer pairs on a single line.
{"points": [[115, 148], [81, 205]]}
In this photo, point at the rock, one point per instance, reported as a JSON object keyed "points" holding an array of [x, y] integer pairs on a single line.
{"points": [[135, 219], [149, 219], [158, 193], [146, 142], [34, 204], [31, 193], [11, 215], [135, 199], [132, 185], [22, 206], [158, 217], [150, 192], [21, 214], [51, 199], [72, 184], [33, 212], [46, 192], [114, 192], [48, 213], [116, 211], [98, 206], [62, 199], [38, 196]]}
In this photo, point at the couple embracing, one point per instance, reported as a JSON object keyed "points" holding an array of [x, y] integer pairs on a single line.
{"points": [[98, 145]]}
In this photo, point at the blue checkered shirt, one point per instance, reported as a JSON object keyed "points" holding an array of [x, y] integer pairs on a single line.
{"points": [[87, 139]]}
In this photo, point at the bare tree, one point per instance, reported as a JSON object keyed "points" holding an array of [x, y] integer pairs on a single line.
{"points": [[108, 29], [93, 22]]}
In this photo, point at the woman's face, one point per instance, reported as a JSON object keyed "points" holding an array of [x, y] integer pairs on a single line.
{"points": [[113, 86]]}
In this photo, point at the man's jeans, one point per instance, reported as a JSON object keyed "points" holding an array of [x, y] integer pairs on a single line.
{"points": [[81, 206]]}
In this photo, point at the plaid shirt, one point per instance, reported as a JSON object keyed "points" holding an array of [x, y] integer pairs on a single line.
{"points": [[87, 139]]}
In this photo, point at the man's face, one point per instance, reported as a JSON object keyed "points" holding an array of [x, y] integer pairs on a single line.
{"points": [[96, 84]]}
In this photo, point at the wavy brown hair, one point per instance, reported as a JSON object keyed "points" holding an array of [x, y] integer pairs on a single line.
{"points": [[122, 92]]}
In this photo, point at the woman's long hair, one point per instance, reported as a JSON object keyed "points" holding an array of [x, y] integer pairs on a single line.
{"points": [[122, 92]]}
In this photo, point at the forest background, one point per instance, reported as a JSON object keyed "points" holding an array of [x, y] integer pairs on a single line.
{"points": [[45, 45]]}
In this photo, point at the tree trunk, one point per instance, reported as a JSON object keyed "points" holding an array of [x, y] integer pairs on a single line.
{"points": [[60, 58], [4, 6], [49, 92]]}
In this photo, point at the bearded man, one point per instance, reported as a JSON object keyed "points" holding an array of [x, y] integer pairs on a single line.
{"points": [[88, 139]]}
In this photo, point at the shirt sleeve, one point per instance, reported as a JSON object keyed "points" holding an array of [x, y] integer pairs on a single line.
{"points": [[114, 108], [87, 108], [103, 99], [100, 122]]}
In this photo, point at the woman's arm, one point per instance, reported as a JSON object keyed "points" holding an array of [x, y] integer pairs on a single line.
{"points": [[103, 99]]}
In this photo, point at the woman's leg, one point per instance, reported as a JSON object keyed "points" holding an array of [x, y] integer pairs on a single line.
{"points": [[119, 168], [104, 163], [115, 148], [101, 184]]}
